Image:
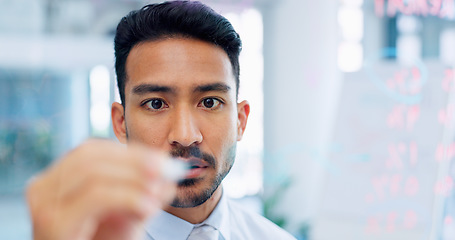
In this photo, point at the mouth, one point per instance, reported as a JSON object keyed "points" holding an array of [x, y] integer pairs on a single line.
{"points": [[196, 167]]}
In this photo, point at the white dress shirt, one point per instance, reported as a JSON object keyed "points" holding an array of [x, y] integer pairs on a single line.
{"points": [[232, 221]]}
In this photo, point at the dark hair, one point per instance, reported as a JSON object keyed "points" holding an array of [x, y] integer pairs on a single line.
{"points": [[175, 19]]}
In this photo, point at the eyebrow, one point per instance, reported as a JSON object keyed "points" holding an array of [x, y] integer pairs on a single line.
{"points": [[219, 87], [151, 88]]}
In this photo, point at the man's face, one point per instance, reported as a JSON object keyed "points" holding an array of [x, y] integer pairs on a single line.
{"points": [[180, 97]]}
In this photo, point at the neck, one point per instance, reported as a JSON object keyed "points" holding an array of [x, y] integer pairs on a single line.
{"points": [[197, 214]]}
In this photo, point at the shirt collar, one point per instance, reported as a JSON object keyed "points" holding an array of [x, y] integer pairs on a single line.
{"points": [[219, 218], [167, 226]]}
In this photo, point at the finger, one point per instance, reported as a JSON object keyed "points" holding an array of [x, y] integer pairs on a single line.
{"points": [[101, 199]]}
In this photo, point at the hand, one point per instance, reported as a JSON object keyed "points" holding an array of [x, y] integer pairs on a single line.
{"points": [[100, 190]]}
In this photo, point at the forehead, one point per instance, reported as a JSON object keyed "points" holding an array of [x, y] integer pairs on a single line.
{"points": [[178, 62]]}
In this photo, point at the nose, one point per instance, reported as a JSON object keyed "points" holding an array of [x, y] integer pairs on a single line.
{"points": [[184, 129]]}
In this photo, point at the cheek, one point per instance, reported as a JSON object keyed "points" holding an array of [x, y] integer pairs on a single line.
{"points": [[223, 124], [221, 133], [146, 130]]}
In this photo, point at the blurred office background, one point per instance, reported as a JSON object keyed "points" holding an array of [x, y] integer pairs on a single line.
{"points": [[351, 134]]}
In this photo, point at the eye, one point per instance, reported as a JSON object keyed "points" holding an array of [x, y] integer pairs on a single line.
{"points": [[211, 103], [155, 104]]}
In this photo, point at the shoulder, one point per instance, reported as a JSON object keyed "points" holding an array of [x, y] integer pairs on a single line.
{"points": [[247, 224]]}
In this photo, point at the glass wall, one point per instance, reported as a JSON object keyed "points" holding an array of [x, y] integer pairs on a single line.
{"points": [[394, 135], [358, 98]]}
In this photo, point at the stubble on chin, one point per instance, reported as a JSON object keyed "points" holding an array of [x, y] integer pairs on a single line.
{"points": [[191, 196], [194, 192]]}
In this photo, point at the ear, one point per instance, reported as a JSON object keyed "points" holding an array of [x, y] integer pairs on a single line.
{"points": [[118, 121], [243, 110]]}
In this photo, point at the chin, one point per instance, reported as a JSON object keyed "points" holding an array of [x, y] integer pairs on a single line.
{"points": [[191, 193]]}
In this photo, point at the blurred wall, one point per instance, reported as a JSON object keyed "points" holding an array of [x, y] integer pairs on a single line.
{"points": [[301, 88]]}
